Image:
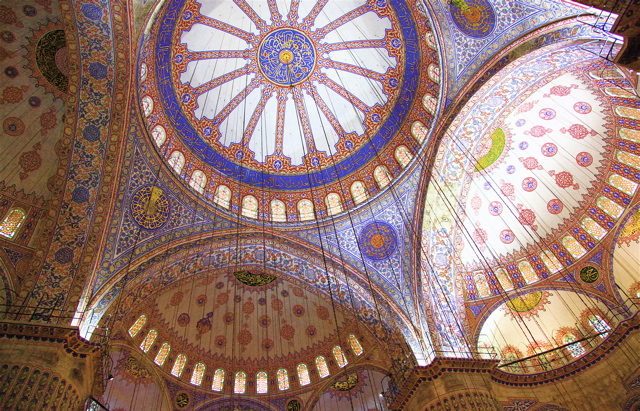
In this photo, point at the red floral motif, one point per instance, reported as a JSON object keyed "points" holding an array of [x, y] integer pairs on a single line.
{"points": [[526, 106], [578, 131], [529, 184], [30, 161], [183, 319], [584, 159], [560, 91], [506, 236], [311, 331], [8, 16], [48, 120], [555, 206], [222, 299], [538, 131], [298, 310], [530, 163], [549, 149], [287, 332], [244, 337], [323, 312], [176, 298], [204, 325], [13, 126], [476, 203], [582, 107], [507, 189], [495, 208], [220, 341], [228, 318], [13, 94], [264, 321], [480, 236], [248, 307], [201, 300], [46, 4], [528, 217], [297, 291], [267, 344], [564, 179], [277, 304], [547, 114]]}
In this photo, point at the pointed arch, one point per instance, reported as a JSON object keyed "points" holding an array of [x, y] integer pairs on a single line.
{"points": [[305, 210], [198, 374], [12, 222], [382, 176], [178, 366], [403, 156], [278, 211], [148, 340], [240, 383], [303, 374], [222, 196], [176, 161], [359, 192], [333, 203], [159, 135], [250, 206], [198, 181], [356, 347], [262, 382], [162, 354], [137, 326], [283, 379], [218, 380], [339, 356], [321, 365]]}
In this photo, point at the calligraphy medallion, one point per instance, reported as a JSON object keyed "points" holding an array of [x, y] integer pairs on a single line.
{"points": [[150, 207], [286, 57]]}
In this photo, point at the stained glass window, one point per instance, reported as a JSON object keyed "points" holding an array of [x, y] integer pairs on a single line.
{"points": [[12, 222], [198, 373], [137, 326], [419, 131], [434, 72], [198, 181], [159, 135], [222, 196], [218, 380], [430, 103], [148, 340], [178, 366], [303, 375], [599, 325], [431, 40], [250, 207], [576, 349], [262, 383], [629, 134], [609, 207], [176, 161], [403, 155], [573, 246], [623, 184], [283, 379], [143, 72], [382, 177], [527, 272], [550, 260], [162, 354], [240, 383], [618, 92], [503, 279], [593, 228], [321, 364], [481, 285], [278, 211], [334, 205], [305, 210], [358, 192], [339, 356], [355, 345], [628, 112], [630, 159], [147, 105]]}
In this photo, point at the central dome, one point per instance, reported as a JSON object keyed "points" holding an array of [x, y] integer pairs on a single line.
{"points": [[276, 101]]}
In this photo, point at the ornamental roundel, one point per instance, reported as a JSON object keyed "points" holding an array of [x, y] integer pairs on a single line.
{"points": [[150, 207], [286, 57], [475, 18], [182, 400], [378, 240], [589, 274]]}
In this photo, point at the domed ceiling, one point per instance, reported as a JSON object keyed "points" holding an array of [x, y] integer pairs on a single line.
{"points": [[288, 101]]}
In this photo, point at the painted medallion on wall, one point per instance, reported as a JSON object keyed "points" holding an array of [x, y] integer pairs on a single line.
{"points": [[48, 58], [475, 18], [378, 240], [150, 207]]}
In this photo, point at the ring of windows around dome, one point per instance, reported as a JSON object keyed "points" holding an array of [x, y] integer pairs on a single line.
{"points": [[239, 379]]}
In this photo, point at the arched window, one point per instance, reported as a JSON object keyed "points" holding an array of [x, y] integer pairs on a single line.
{"points": [[303, 375], [594, 229], [481, 285], [262, 383], [419, 131], [176, 161], [573, 246], [137, 326], [12, 222], [222, 196], [198, 181], [527, 272], [382, 176], [434, 72], [178, 366], [609, 207], [431, 40], [403, 156], [283, 379], [250, 207], [358, 192], [429, 103], [355, 345], [147, 105], [334, 204], [240, 382], [218, 380], [305, 210], [576, 349], [625, 185], [162, 354], [278, 211], [629, 134], [550, 260], [599, 325], [339, 356], [143, 72], [629, 159], [321, 364], [148, 340], [159, 135], [628, 112], [503, 279], [198, 373]]}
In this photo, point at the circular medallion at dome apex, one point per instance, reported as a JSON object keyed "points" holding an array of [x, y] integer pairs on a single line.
{"points": [[287, 97]]}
